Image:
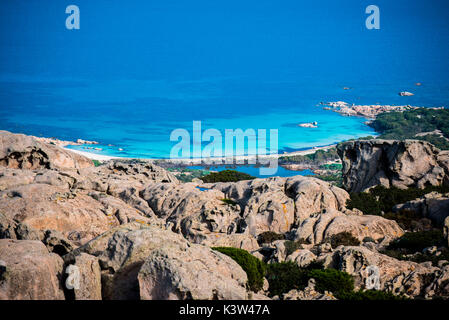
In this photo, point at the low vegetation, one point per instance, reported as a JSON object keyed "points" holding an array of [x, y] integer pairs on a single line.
{"points": [[343, 239], [318, 158], [226, 176], [381, 199], [254, 268], [269, 237], [417, 241], [405, 125], [292, 246], [188, 175], [96, 163], [229, 201]]}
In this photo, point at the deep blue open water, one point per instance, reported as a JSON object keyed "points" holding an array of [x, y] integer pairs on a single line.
{"points": [[137, 70]]}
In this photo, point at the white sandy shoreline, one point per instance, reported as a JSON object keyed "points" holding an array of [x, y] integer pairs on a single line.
{"points": [[99, 157]]}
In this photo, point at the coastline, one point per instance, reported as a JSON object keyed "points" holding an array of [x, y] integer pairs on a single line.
{"points": [[189, 161]]}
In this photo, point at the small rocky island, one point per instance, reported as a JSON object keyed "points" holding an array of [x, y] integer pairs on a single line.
{"points": [[367, 111], [131, 230], [309, 125]]}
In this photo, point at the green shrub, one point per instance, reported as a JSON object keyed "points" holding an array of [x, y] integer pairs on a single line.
{"points": [[405, 125], [292, 246], [96, 163], [285, 276], [410, 220], [229, 201], [317, 158], [343, 239], [269, 237], [254, 268], [226, 176], [381, 199], [332, 280], [368, 239], [417, 241]]}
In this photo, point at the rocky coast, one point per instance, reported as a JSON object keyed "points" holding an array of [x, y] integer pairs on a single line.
{"points": [[131, 230]]}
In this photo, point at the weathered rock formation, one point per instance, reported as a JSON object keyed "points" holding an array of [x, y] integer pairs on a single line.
{"points": [[134, 232], [28, 271], [19, 151], [399, 277], [434, 206], [330, 222], [402, 164]]}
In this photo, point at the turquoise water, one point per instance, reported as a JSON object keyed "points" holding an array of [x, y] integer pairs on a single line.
{"points": [[255, 172], [137, 70]]}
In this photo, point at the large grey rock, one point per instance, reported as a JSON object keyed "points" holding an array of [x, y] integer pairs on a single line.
{"points": [[90, 276], [396, 276], [402, 164], [434, 206], [123, 251], [194, 213], [194, 272], [302, 257], [322, 226], [29, 271], [275, 204]]}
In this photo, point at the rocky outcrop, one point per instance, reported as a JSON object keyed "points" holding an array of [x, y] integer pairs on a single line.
{"points": [[434, 206], [90, 276], [275, 204], [302, 257], [324, 225], [397, 276], [192, 212], [80, 204], [29, 272], [309, 293], [19, 151], [391, 163], [148, 262], [194, 272]]}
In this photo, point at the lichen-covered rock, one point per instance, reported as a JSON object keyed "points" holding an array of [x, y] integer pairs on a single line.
{"points": [[29, 271], [396, 276], [330, 222], [275, 204], [402, 164], [194, 272], [193, 212]]}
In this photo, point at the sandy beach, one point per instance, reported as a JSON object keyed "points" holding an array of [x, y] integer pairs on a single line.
{"points": [[100, 157]]}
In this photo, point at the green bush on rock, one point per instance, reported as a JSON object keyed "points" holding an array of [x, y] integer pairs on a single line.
{"points": [[254, 268], [343, 239], [226, 176], [285, 276], [269, 237], [417, 241]]}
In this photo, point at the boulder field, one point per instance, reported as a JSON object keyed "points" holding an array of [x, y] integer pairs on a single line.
{"points": [[133, 231]]}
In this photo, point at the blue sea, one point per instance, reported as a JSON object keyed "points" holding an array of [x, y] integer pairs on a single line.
{"points": [[137, 70]]}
